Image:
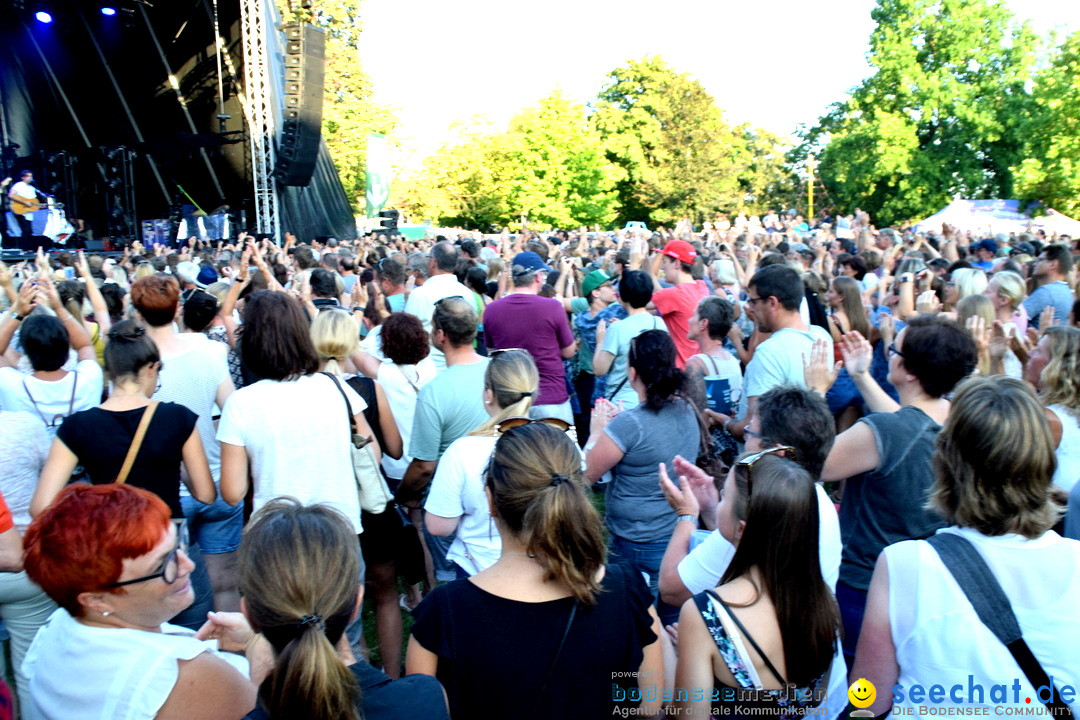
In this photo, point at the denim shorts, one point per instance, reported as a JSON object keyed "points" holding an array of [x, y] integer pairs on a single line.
{"points": [[216, 527]]}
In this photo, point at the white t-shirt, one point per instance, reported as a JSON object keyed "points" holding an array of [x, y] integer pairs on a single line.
{"points": [[192, 380], [940, 640], [298, 441], [421, 303], [402, 384], [52, 400], [24, 190], [81, 672], [458, 491], [702, 569], [779, 361], [1068, 450]]}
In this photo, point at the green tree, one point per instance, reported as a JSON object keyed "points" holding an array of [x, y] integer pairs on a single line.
{"points": [[1051, 171], [679, 157], [556, 169], [548, 166], [349, 114], [940, 116]]}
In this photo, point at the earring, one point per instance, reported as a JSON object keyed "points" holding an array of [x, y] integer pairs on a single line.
{"points": [[107, 613]]}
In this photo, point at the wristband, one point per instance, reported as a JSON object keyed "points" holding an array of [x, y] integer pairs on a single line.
{"points": [[688, 518], [17, 318], [590, 445], [725, 425], [358, 308]]}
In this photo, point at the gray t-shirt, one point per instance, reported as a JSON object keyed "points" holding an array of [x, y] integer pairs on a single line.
{"points": [[887, 504], [635, 506], [447, 408], [617, 342], [779, 361]]}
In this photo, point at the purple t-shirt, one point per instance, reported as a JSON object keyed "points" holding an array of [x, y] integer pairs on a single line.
{"points": [[539, 325]]}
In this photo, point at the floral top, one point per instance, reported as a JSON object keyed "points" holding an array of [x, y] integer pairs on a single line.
{"points": [[749, 695]]}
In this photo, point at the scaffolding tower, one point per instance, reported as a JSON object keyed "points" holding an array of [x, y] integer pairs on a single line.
{"points": [[260, 115]]}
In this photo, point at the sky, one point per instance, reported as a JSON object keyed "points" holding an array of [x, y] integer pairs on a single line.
{"points": [[775, 64]]}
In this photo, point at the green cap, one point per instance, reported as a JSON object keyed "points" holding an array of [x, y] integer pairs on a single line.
{"points": [[592, 281]]}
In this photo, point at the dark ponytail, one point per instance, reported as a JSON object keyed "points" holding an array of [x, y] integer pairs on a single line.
{"points": [[652, 355], [538, 492]]}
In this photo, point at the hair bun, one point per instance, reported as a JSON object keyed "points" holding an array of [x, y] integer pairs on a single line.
{"points": [[133, 334]]}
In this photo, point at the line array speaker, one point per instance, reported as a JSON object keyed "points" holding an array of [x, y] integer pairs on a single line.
{"points": [[305, 52]]}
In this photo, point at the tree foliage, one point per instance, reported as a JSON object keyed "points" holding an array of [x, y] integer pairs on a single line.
{"points": [[1051, 171], [940, 116], [547, 166], [679, 156]]}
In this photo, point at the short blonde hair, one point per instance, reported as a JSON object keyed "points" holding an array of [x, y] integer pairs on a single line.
{"points": [[1012, 287], [968, 281], [994, 461]]}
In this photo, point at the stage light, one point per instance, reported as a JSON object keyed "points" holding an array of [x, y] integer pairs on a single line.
{"points": [[109, 11], [43, 17]]}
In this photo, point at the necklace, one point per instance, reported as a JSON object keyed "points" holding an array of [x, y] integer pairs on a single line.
{"points": [[507, 554]]}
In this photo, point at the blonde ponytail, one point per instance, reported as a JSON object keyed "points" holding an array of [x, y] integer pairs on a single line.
{"points": [[513, 380], [300, 571]]}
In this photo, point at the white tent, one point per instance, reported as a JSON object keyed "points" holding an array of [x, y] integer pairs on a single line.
{"points": [[989, 217]]}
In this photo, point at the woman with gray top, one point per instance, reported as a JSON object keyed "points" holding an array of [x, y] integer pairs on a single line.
{"points": [[631, 445]]}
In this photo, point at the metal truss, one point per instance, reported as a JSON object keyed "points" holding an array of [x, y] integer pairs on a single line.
{"points": [[255, 31]]}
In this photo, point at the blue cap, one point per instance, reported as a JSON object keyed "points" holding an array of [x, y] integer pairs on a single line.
{"points": [[528, 262]]}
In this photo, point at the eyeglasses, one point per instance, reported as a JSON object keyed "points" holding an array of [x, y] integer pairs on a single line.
{"points": [[515, 422], [754, 300], [751, 433], [170, 566], [892, 350]]}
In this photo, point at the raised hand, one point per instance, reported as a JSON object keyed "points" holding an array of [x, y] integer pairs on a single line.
{"points": [[1046, 319], [819, 371], [857, 353], [927, 303], [701, 484], [680, 497]]}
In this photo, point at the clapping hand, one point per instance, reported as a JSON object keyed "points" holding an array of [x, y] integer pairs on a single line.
{"points": [[927, 303], [819, 371], [857, 353], [603, 411]]}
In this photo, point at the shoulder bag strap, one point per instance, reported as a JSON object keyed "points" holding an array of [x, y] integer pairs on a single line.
{"points": [[408, 379], [992, 606], [554, 660], [750, 639], [34, 402], [136, 442], [348, 405], [74, 384]]}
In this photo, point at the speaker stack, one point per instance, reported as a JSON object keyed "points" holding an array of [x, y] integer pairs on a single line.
{"points": [[305, 52]]}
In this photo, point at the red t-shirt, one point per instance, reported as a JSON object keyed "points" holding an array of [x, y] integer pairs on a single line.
{"points": [[539, 325], [6, 521], [677, 305]]}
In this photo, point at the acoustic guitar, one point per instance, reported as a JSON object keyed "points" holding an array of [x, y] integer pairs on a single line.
{"points": [[21, 206]]}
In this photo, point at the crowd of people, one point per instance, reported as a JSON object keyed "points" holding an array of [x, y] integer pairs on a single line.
{"points": [[725, 472]]}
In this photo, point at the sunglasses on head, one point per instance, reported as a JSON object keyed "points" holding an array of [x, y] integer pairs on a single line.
{"points": [[516, 422], [745, 464]]}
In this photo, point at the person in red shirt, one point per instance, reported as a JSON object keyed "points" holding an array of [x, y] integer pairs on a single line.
{"points": [[676, 305]]}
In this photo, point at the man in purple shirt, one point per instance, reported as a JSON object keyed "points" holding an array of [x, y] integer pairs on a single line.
{"points": [[525, 320]]}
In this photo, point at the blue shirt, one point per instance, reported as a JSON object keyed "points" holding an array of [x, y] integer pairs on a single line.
{"points": [[1057, 294]]}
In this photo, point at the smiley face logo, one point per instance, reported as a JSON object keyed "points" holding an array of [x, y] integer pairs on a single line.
{"points": [[862, 693]]}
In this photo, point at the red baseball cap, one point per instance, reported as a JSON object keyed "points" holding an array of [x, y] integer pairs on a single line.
{"points": [[681, 251]]}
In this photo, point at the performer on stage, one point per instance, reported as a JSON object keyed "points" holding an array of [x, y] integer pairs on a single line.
{"points": [[23, 193]]}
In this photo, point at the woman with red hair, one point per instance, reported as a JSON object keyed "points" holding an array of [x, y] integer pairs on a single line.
{"points": [[114, 561]]}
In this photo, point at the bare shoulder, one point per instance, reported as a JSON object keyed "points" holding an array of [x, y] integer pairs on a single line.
{"points": [[208, 687]]}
